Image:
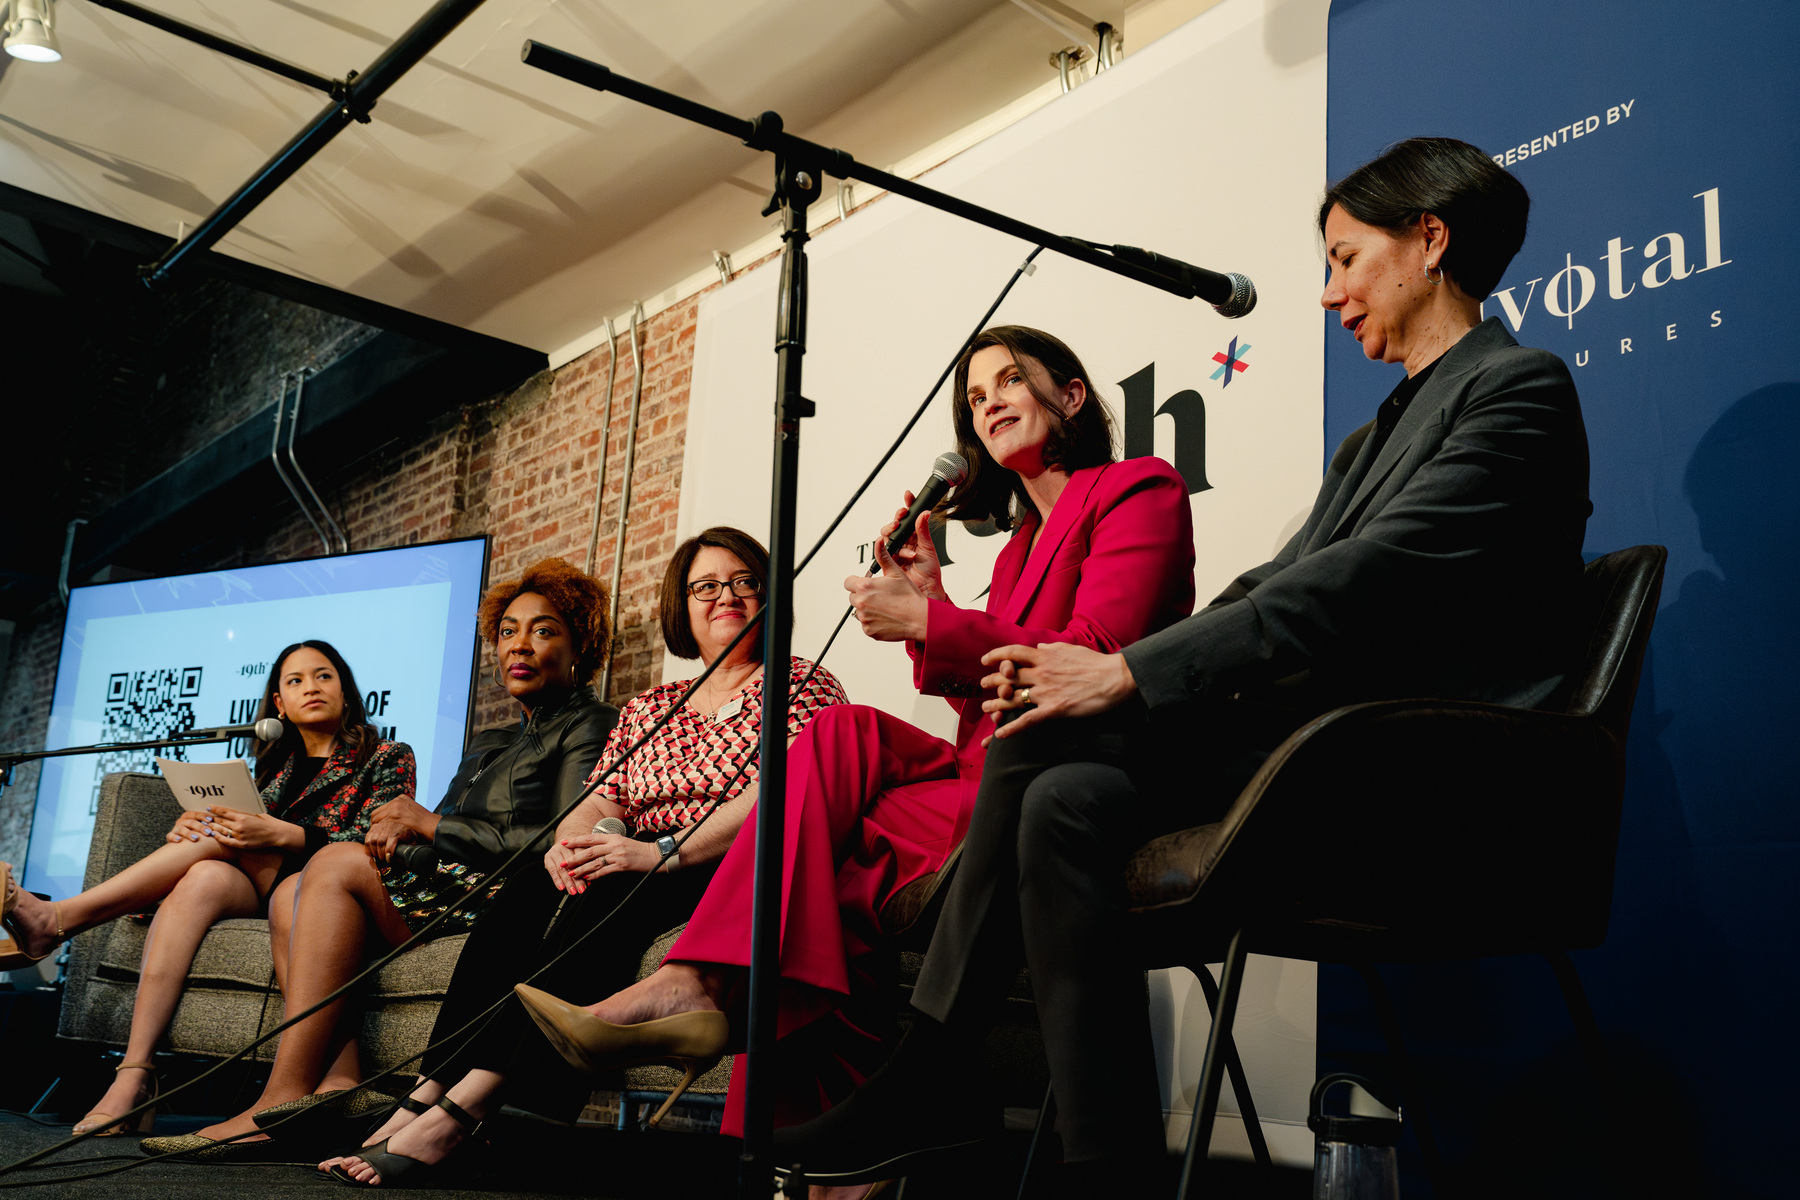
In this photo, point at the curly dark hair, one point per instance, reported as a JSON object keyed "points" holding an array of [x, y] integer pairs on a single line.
{"points": [[578, 598], [1082, 440], [354, 733], [678, 633], [1484, 206]]}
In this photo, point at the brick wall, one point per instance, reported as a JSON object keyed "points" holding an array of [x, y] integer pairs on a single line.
{"points": [[24, 720], [521, 468]]}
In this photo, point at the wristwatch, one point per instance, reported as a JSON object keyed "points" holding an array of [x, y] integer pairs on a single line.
{"points": [[665, 848]]}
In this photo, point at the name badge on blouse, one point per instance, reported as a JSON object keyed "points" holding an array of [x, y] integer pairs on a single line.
{"points": [[729, 709]]}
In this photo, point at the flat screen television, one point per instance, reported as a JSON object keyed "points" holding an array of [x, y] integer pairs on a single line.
{"points": [[152, 656]]}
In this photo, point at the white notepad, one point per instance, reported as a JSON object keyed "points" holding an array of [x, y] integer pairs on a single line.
{"points": [[198, 785]]}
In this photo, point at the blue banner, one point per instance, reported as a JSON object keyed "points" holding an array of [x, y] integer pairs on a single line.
{"points": [[1660, 144]]}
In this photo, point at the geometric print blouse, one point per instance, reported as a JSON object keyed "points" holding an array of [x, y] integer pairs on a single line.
{"points": [[693, 762]]}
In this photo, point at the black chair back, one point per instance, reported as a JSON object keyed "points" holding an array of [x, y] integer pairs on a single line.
{"points": [[1619, 592]]}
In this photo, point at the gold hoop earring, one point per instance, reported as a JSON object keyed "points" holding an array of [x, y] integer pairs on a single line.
{"points": [[496, 674], [1429, 279]]}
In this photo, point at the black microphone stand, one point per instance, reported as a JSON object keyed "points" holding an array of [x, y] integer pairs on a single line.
{"points": [[800, 167], [198, 737]]}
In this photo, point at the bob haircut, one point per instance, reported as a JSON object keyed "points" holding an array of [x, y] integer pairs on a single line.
{"points": [[578, 598], [1485, 207], [991, 492], [677, 630], [355, 734]]}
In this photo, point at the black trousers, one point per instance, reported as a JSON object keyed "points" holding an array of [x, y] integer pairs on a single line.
{"points": [[1062, 807], [513, 938]]}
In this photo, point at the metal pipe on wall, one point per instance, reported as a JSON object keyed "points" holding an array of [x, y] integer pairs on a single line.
{"points": [[612, 375], [337, 530], [637, 398], [62, 579], [275, 457]]}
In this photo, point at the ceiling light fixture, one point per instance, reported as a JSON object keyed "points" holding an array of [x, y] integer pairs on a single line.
{"points": [[31, 31]]}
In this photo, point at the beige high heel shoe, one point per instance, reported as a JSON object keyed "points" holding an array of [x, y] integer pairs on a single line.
{"points": [[141, 1123], [693, 1041], [12, 949]]}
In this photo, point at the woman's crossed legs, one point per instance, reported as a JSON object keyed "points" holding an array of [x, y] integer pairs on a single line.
{"points": [[321, 925]]}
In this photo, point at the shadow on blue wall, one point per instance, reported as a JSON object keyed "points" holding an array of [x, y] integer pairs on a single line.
{"points": [[1697, 981]]}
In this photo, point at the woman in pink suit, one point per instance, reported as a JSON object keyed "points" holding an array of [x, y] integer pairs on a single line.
{"points": [[1101, 554]]}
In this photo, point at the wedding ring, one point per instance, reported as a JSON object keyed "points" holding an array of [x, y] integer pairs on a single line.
{"points": [[1024, 695]]}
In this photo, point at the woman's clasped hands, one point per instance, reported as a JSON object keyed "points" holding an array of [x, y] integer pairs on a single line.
{"points": [[237, 829], [573, 861]]}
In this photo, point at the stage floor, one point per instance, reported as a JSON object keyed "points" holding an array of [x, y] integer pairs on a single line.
{"points": [[527, 1160]]}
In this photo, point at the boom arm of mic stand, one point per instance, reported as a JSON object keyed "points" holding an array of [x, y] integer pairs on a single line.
{"points": [[12, 758], [765, 133]]}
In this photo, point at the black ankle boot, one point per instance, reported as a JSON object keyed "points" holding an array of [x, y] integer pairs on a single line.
{"points": [[930, 1097]]}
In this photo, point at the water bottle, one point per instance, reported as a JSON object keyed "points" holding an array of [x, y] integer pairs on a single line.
{"points": [[1356, 1153]]}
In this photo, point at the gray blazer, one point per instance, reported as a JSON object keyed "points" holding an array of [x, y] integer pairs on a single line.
{"points": [[1443, 566]]}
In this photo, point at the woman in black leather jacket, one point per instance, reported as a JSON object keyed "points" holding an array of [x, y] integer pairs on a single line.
{"points": [[549, 633]]}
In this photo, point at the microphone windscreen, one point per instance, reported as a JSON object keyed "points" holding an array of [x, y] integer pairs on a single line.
{"points": [[268, 729], [612, 825], [952, 466], [1242, 299]]}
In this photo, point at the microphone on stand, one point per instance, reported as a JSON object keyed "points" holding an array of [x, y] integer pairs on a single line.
{"points": [[947, 472], [1231, 294], [603, 825], [266, 730]]}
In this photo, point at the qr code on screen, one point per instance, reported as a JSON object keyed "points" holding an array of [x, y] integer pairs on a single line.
{"points": [[142, 706]]}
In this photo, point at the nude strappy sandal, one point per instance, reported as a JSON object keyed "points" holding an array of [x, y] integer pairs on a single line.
{"points": [[138, 1124], [12, 949]]}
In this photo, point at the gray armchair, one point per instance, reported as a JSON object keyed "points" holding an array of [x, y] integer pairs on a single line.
{"points": [[230, 997]]}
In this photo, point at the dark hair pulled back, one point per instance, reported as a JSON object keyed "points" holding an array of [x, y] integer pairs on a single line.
{"points": [[1483, 205]]}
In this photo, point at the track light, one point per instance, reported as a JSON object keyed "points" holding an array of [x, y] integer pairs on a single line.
{"points": [[31, 31]]}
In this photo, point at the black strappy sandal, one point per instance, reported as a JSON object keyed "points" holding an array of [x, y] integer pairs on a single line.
{"points": [[417, 1108], [397, 1170]]}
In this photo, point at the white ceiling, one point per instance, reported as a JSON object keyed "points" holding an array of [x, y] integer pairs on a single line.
{"points": [[485, 193]]}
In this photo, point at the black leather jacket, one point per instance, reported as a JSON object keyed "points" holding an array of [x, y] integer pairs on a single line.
{"points": [[513, 780]]}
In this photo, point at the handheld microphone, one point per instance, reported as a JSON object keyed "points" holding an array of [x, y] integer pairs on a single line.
{"points": [[947, 472], [266, 730], [1231, 295], [603, 825]]}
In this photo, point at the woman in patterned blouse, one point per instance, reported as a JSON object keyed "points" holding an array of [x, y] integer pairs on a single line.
{"points": [[321, 780], [713, 585]]}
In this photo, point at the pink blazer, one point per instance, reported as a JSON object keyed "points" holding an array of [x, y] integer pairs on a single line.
{"points": [[1116, 562]]}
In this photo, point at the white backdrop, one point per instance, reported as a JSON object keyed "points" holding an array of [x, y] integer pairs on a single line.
{"points": [[1208, 145]]}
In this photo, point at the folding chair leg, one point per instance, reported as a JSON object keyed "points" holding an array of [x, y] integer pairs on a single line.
{"points": [[1040, 1137], [1240, 1084], [1409, 1080], [1587, 1030], [1212, 1068]]}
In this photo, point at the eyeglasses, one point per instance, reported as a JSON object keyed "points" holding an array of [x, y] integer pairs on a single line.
{"points": [[710, 589]]}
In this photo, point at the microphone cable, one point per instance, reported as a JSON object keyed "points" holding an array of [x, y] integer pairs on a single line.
{"points": [[504, 870]]}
